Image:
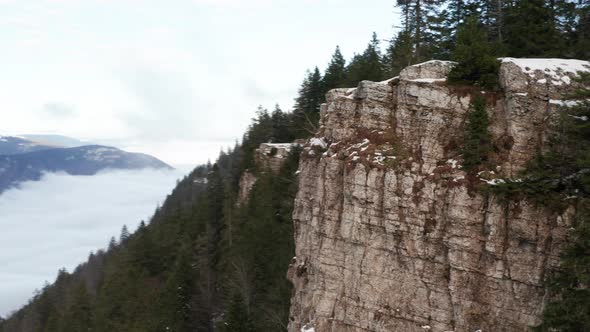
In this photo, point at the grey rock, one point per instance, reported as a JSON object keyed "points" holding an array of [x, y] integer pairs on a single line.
{"points": [[390, 234]]}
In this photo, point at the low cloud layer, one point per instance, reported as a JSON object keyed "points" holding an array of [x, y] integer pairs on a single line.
{"points": [[56, 222]]}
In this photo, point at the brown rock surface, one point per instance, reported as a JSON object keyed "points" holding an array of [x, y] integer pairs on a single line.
{"points": [[390, 234]]}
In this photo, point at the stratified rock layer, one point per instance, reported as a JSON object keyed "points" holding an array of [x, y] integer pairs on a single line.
{"points": [[390, 233]]}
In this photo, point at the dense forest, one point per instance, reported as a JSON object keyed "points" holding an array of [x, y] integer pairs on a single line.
{"points": [[206, 263]]}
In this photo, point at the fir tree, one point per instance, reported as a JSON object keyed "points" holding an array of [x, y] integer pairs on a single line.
{"points": [[476, 64], [179, 293], [307, 104], [399, 54], [581, 44], [112, 244], [535, 36], [281, 126], [418, 18], [79, 316], [238, 319], [366, 66], [124, 235], [335, 74], [477, 138]]}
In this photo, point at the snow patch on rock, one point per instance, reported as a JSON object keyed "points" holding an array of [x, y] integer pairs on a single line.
{"points": [[558, 69]]}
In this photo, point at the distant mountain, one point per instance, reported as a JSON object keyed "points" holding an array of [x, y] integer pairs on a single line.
{"points": [[84, 160], [56, 140], [19, 144]]}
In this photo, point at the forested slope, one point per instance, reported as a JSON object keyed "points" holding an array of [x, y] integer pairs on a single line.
{"points": [[204, 262]]}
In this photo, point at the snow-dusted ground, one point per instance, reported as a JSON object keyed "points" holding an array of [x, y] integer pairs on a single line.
{"points": [[56, 222], [549, 65], [558, 69]]}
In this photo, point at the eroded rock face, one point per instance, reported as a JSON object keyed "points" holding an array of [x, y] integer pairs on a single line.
{"points": [[247, 182], [268, 156], [273, 155], [391, 234]]}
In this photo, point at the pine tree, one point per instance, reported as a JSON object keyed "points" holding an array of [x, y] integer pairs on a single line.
{"points": [[307, 104], [335, 74], [143, 252], [399, 54], [535, 36], [281, 126], [581, 45], [493, 12], [79, 315], [124, 237], [238, 319], [418, 18], [112, 244], [179, 293], [366, 66], [477, 138], [476, 64], [215, 223]]}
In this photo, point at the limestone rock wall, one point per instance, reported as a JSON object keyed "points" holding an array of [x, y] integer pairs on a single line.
{"points": [[268, 157], [391, 235]]}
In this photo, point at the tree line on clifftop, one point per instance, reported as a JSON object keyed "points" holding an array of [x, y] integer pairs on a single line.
{"points": [[203, 262]]}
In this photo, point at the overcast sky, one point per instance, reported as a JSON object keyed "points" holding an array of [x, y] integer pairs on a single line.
{"points": [[177, 79]]}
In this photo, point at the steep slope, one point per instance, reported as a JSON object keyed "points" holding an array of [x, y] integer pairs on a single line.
{"points": [[392, 235], [201, 263], [85, 160]]}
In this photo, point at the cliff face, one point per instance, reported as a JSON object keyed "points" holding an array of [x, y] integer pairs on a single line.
{"points": [[269, 157], [390, 233]]}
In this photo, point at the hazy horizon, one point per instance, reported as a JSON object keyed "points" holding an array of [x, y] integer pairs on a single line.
{"points": [[177, 81]]}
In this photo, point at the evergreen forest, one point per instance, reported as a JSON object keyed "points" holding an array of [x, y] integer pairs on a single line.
{"points": [[204, 262]]}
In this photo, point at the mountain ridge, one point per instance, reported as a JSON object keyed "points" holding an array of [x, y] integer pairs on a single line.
{"points": [[83, 160]]}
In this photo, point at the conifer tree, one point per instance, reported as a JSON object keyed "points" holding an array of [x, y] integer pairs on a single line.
{"points": [[399, 54], [335, 74], [215, 222], [366, 66], [238, 319], [535, 36], [143, 251], [79, 315], [582, 32], [112, 244], [281, 127], [179, 292], [124, 235], [477, 138], [476, 64], [418, 18], [307, 104]]}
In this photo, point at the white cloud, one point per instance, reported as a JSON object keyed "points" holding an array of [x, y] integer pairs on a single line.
{"points": [[59, 110], [56, 222]]}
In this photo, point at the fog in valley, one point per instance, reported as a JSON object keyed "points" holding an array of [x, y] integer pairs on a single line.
{"points": [[58, 221]]}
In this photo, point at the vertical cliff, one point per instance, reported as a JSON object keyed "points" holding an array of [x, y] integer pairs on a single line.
{"points": [[392, 235]]}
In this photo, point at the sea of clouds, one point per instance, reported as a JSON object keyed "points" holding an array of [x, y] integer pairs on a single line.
{"points": [[58, 221]]}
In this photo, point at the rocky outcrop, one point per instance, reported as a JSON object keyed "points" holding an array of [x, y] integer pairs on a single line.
{"points": [[247, 181], [272, 155], [268, 156], [391, 234]]}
